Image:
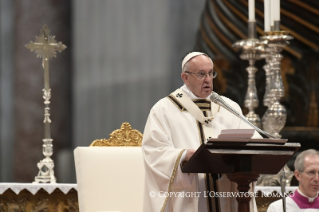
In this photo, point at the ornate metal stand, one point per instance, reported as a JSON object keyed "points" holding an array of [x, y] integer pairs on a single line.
{"points": [[268, 98], [275, 117], [45, 47], [251, 53], [268, 72]]}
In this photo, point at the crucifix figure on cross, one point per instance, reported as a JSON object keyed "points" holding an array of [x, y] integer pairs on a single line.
{"points": [[45, 46]]}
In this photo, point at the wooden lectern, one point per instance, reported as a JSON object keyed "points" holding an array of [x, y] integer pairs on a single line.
{"points": [[243, 162]]}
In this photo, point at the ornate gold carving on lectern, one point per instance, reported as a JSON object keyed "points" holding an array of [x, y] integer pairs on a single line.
{"points": [[45, 46], [125, 136]]}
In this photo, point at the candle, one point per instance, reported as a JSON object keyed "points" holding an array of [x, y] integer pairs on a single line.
{"points": [[277, 10], [251, 10], [267, 15], [272, 12]]}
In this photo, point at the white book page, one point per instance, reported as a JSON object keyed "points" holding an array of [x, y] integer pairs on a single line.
{"points": [[249, 140], [236, 133]]}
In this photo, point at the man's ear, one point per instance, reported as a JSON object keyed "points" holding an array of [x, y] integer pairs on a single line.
{"points": [[297, 175], [184, 77]]}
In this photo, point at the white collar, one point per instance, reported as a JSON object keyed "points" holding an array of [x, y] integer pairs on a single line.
{"points": [[191, 95], [311, 199]]}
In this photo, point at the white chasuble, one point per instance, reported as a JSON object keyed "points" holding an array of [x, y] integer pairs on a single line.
{"points": [[170, 130]]}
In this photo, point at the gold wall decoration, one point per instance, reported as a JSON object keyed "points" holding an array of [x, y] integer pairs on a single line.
{"points": [[125, 136]]}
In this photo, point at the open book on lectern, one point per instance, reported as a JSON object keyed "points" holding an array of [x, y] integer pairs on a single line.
{"points": [[243, 135], [236, 133]]}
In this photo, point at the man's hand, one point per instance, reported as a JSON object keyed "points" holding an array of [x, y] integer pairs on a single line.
{"points": [[189, 154]]}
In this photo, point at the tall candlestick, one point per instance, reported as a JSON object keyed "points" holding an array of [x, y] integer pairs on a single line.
{"points": [[251, 10], [267, 15]]}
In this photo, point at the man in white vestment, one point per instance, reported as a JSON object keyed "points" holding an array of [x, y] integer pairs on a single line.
{"points": [[305, 198], [177, 125]]}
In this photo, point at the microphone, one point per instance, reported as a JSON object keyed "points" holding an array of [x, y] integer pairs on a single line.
{"points": [[218, 100], [283, 188]]}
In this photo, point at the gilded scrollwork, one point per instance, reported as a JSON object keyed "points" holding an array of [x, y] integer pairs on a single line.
{"points": [[41, 205], [57, 201], [72, 205], [125, 136], [2, 205], [14, 205], [69, 205]]}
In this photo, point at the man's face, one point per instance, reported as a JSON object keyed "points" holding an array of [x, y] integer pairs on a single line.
{"points": [[309, 183], [200, 87]]}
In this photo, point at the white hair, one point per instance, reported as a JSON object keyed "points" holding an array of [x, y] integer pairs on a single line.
{"points": [[300, 160]]}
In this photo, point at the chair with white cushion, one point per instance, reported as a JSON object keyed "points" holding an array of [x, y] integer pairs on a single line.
{"points": [[110, 173]]}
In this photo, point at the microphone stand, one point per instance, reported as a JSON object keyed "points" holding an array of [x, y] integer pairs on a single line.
{"points": [[283, 189], [218, 100]]}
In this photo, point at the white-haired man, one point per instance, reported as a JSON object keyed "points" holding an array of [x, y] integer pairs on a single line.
{"points": [[177, 125], [305, 198]]}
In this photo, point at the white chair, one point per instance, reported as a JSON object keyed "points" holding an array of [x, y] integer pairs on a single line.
{"points": [[111, 178]]}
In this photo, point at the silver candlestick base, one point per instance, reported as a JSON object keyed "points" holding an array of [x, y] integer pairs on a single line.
{"points": [[46, 171]]}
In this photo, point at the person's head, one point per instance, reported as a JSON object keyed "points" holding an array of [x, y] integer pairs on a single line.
{"points": [[307, 172], [198, 73]]}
